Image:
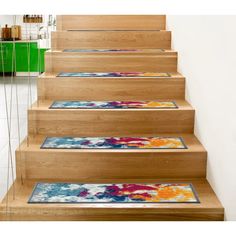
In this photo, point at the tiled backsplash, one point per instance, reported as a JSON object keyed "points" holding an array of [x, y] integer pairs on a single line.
{"points": [[29, 30]]}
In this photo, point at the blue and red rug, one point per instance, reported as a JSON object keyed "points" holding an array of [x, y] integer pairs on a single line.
{"points": [[112, 105], [109, 50], [115, 74], [114, 193], [113, 143]]}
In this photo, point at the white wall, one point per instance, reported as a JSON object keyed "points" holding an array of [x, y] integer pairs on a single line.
{"points": [[207, 57]]}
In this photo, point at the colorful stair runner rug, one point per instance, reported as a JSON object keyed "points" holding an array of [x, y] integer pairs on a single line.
{"points": [[114, 74], [113, 143], [102, 50], [114, 193], [112, 105], [112, 50]]}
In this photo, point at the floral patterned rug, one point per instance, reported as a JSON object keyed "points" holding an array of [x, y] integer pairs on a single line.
{"points": [[103, 50], [113, 143], [114, 74], [111, 104], [114, 193]]}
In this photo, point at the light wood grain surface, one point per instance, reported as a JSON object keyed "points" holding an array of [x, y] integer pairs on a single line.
{"points": [[111, 163], [100, 62], [111, 22], [111, 39], [66, 88], [209, 208], [109, 122]]}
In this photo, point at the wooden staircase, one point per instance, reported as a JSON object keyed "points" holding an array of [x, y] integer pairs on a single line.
{"points": [[108, 165]]}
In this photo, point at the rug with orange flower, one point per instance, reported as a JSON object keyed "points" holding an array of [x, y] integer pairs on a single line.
{"points": [[115, 74], [114, 193], [114, 143], [113, 104]]}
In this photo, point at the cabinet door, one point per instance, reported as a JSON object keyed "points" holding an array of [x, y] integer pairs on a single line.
{"points": [[23, 54], [29, 57], [42, 62], [34, 57], [2, 56], [7, 63], [37, 58]]}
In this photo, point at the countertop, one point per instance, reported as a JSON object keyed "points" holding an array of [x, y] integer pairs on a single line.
{"points": [[19, 41], [42, 43]]}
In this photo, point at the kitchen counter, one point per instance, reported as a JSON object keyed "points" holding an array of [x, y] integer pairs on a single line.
{"points": [[36, 48], [42, 43], [19, 41]]}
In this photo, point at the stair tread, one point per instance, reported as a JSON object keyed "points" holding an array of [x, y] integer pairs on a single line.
{"points": [[209, 203], [45, 104], [35, 141], [174, 75]]}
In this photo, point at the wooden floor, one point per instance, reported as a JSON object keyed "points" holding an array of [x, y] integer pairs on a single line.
{"points": [[146, 34], [18, 209]]}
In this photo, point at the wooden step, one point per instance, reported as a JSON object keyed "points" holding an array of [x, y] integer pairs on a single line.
{"points": [[51, 87], [209, 207], [109, 122], [89, 164], [146, 60], [111, 22], [111, 39]]}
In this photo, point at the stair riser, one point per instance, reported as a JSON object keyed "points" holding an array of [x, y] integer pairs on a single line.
{"points": [[89, 166], [110, 89], [109, 122], [73, 62], [111, 40], [111, 22], [110, 214]]}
